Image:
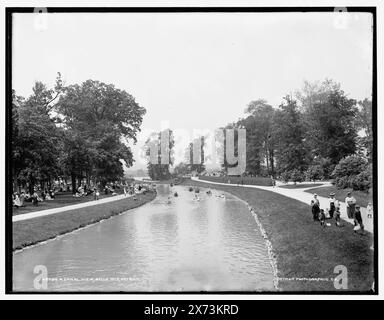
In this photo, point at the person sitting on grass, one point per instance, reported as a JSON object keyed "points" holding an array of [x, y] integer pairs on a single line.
{"points": [[16, 201], [35, 199], [28, 197], [358, 221]]}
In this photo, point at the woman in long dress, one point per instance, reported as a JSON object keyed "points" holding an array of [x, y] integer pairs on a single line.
{"points": [[350, 203]]}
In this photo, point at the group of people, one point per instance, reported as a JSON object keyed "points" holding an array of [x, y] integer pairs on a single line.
{"points": [[332, 211], [18, 199]]}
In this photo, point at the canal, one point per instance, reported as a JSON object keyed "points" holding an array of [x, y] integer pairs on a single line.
{"points": [[170, 244]]}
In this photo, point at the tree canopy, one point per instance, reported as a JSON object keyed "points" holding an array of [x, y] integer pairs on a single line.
{"points": [[78, 131]]}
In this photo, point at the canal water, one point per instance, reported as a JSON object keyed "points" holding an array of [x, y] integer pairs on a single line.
{"points": [[170, 244]]}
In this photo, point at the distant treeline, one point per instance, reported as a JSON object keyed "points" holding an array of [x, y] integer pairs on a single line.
{"points": [[320, 133]]}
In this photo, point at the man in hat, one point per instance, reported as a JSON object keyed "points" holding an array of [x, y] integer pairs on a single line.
{"points": [[350, 203]]}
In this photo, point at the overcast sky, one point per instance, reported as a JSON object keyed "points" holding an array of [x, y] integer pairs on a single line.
{"points": [[195, 70]]}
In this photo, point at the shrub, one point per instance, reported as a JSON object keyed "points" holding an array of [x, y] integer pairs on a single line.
{"points": [[314, 172], [349, 166], [353, 172], [326, 166], [363, 180], [285, 176], [296, 176], [342, 182]]}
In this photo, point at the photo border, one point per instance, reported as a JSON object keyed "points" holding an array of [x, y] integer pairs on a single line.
{"points": [[8, 165]]}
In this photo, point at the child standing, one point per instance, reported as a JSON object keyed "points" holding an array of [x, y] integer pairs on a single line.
{"points": [[337, 216], [322, 218], [332, 206], [369, 211]]}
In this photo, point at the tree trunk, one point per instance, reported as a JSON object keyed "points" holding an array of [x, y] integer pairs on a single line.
{"points": [[266, 157], [272, 162], [73, 178], [31, 186]]}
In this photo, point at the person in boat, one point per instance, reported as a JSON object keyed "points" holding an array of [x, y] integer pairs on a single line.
{"points": [[209, 192]]}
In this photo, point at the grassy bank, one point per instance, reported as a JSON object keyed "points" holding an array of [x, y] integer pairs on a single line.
{"points": [[300, 185], [62, 199], [256, 181], [32, 231], [303, 248], [362, 198]]}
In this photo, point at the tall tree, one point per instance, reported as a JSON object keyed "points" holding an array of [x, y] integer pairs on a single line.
{"points": [[36, 140], [259, 126], [364, 123], [330, 121], [289, 134], [103, 117]]}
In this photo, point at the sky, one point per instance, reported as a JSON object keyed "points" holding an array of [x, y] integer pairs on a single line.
{"points": [[194, 71]]}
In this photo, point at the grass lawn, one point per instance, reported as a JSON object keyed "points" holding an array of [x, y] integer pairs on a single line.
{"points": [[32, 231], [300, 186], [62, 199], [257, 181], [303, 248], [362, 198]]}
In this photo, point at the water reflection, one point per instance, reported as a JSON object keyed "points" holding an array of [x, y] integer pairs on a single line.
{"points": [[187, 245]]}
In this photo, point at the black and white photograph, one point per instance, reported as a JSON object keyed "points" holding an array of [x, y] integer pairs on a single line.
{"points": [[181, 150]]}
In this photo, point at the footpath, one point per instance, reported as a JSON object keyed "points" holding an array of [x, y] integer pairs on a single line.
{"points": [[300, 195], [36, 214]]}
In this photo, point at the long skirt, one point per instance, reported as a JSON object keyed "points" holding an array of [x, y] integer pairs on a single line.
{"points": [[351, 211], [315, 212]]}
